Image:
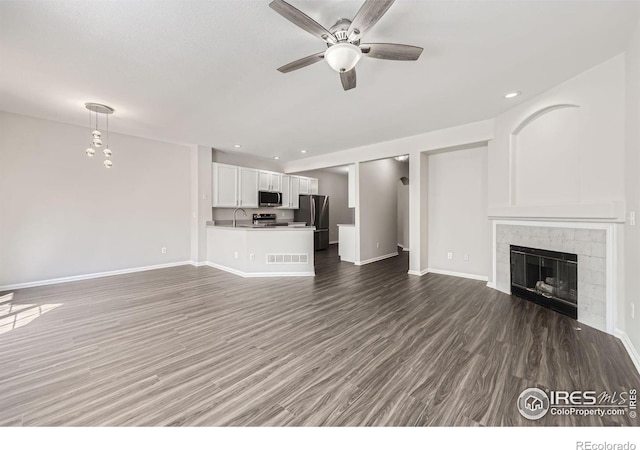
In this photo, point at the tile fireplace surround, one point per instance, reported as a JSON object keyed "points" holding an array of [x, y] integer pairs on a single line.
{"points": [[594, 243]]}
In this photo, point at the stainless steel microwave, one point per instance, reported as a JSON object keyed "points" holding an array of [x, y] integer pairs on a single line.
{"points": [[269, 198]]}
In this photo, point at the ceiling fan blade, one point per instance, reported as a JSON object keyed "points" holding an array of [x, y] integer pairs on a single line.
{"points": [[302, 62], [300, 19], [395, 52], [348, 79], [367, 16]]}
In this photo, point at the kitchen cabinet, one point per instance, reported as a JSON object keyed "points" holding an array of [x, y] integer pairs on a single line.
{"points": [[247, 187], [304, 186], [270, 181], [224, 186], [286, 192], [295, 192], [313, 186], [352, 186], [234, 186]]}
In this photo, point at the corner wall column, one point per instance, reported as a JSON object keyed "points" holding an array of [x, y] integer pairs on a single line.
{"points": [[418, 213]]}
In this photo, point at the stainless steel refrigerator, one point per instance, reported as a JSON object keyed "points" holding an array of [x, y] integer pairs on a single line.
{"points": [[314, 210]]}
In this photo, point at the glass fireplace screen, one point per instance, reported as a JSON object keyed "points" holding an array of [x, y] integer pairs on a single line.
{"points": [[551, 275]]}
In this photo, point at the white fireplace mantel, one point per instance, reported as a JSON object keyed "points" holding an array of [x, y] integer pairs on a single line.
{"points": [[612, 212]]}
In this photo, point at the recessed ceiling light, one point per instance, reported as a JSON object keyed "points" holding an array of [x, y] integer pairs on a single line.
{"points": [[512, 94], [303, 151], [237, 145], [276, 157], [402, 158]]}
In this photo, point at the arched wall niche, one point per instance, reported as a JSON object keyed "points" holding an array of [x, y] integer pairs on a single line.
{"points": [[544, 157]]}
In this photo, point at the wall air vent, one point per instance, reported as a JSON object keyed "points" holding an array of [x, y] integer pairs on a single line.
{"points": [[287, 258]]}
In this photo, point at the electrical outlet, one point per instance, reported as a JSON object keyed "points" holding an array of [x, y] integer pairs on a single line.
{"points": [[164, 250], [252, 256], [466, 257], [632, 218], [235, 255], [449, 255], [377, 244]]}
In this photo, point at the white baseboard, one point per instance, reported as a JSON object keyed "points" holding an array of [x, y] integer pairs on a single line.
{"points": [[199, 263], [259, 274], [418, 272], [628, 345], [89, 276], [458, 274], [377, 258], [491, 285], [403, 247], [333, 242]]}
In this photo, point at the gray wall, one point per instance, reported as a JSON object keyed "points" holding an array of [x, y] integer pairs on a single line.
{"points": [[63, 214], [335, 185], [457, 190], [378, 207]]}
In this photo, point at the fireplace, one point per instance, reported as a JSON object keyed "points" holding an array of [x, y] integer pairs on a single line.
{"points": [[546, 277]]}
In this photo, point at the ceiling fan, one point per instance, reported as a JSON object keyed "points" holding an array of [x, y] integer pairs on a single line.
{"points": [[343, 40]]}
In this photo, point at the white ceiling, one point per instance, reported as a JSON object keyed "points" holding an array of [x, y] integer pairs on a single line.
{"points": [[204, 72]]}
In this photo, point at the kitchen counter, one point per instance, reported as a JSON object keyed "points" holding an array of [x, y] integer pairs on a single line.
{"points": [[280, 251], [263, 228]]}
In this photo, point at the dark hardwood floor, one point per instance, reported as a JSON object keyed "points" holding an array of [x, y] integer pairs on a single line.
{"points": [[365, 345]]}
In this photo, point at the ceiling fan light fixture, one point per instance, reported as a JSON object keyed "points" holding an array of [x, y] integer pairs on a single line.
{"points": [[342, 57]]}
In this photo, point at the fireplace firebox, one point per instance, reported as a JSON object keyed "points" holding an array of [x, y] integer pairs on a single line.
{"points": [[545, 277]]}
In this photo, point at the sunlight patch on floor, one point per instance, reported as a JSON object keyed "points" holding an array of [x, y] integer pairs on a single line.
{"points": [[14, 316]]}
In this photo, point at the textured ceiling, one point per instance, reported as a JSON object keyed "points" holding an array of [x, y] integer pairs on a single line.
{"points": [[204, 72]]}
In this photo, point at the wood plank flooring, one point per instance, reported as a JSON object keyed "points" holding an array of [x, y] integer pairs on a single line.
{"points": [[353, 346]]}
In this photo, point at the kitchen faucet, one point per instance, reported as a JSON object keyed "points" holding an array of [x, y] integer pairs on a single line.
{"points": [[234, 215]]}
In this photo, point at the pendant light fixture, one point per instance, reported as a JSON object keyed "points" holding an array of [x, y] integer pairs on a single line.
{"points": [[96, 134]]}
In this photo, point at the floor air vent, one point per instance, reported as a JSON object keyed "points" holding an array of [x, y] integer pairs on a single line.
{"points": [[287, 258]]}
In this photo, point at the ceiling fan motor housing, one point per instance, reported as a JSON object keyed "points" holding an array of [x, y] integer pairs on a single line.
{"points": [[340, 30]]}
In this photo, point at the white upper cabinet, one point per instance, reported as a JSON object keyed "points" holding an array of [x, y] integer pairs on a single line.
{"points": [[313, 186], [294, 193], [304, 186], [286, 191], [276, 182], [224, 186], [265, 181], [270, 181], [247, 187], [234, 186]]}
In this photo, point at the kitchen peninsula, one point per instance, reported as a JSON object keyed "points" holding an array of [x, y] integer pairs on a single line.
{"points": [[281, 251]]}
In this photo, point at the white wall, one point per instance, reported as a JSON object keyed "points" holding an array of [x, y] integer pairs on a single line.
{"points": [[403, 209], [336, 186], [632, 193], [245, 160], [63, 214], [200, 200], [458, 223], [378, 207], [581, 149]]}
